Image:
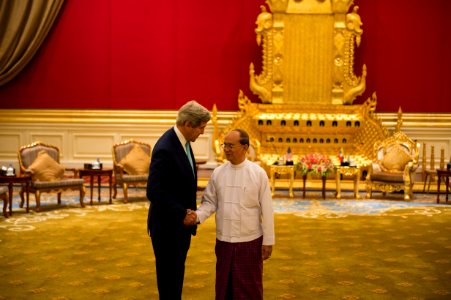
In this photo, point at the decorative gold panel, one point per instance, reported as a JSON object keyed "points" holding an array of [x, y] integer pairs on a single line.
{"points": [[306, 129], [308, 53]]}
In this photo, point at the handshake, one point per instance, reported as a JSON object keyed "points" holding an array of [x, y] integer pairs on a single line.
{"points": [[190, 218]]}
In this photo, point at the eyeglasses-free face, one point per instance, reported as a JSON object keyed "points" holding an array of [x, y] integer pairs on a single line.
{"points": [[192, 133]]}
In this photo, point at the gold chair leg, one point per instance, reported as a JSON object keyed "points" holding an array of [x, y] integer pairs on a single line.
{"points": [[369, 191], [59, 198], [407, 194], [38, 200], [114, 191], [82, 195], [125, 188]]}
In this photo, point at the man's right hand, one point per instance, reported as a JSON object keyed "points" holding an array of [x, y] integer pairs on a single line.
{"points": [[190, 218]]}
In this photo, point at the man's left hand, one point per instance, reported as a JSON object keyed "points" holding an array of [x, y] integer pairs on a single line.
{"points": [[266, 251]]}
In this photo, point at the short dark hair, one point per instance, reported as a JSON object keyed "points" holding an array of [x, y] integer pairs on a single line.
{"points": [[244, 136]]}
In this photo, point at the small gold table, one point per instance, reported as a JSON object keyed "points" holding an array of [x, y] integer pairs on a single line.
{"points": [[354, 172], [280, 170]]}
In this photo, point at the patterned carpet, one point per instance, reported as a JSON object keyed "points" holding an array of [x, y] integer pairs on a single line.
{"points": [[325, 249], [312, 207]]}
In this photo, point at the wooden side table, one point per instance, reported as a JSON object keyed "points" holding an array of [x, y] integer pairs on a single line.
{"points": [[354, 172], [99, 173], [429, 176], [10, 180], [280, 170], [446, 174], [4, 197], [323, 189]]}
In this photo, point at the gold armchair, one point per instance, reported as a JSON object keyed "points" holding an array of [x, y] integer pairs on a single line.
{"points": [[131, 161], [42, 161], [394, 165]]}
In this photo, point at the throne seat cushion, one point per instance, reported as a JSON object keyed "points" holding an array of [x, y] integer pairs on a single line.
{"points": [[45, 168], [387, 177], [395, 159], [136, 162]]}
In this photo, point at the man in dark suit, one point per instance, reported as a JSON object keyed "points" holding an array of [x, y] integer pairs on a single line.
{"points": [[171, 189]]}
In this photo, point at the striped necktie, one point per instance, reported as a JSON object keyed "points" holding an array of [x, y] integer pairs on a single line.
{"points": [[188, 153]]}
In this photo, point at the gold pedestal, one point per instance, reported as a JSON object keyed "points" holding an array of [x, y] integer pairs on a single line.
{"points": [[354, 172], [281, 170]]}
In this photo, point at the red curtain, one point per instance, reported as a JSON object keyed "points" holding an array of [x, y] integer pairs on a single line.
{"points": [[111, 54]]}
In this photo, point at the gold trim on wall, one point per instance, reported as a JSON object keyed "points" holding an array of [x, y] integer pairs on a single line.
{"points": [[85, 116], [168, 116], [21, 126]]}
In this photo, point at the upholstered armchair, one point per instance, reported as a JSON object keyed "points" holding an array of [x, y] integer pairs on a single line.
{"points": [[131, 161], [394, 165], [42, 161]]}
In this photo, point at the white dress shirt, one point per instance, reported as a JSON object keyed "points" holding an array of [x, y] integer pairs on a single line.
{"points": [[241, 197]]}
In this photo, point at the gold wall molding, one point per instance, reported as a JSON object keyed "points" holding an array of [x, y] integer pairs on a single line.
{"points": [[85, 116], [84, 135]]}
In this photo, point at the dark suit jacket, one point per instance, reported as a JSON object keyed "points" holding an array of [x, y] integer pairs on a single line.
{"points": [[171, 187]]}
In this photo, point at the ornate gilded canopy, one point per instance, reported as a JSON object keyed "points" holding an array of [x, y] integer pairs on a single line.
{"points": [[307, 84]]}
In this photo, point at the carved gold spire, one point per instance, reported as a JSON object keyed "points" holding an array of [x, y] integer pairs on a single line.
{"points": [[399, 121], [308, 53]]}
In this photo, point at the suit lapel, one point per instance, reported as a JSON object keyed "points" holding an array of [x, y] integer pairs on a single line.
{"points": [[180, 152]]}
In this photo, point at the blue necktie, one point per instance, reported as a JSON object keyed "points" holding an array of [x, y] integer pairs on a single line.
{"points": [[188, 153]]}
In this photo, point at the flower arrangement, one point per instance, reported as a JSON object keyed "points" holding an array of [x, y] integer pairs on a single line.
{"points": [[316, 163]]}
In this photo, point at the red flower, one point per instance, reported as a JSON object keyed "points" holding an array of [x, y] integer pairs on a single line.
{"points": [[316, 163]]}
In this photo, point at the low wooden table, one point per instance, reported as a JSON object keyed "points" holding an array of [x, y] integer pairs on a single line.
{"points": [[354, 172], [99, 173], [10, 180], [446, 174], [280, 170]]}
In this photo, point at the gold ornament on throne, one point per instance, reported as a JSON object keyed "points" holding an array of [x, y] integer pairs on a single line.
{"points": [[308, 53], [307, 85]]}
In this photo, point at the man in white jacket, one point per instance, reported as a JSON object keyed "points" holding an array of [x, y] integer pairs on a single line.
{"points": [[239, 193]]}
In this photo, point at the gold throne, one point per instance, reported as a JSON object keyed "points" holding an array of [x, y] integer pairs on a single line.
{"points": [[307, 85]]}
